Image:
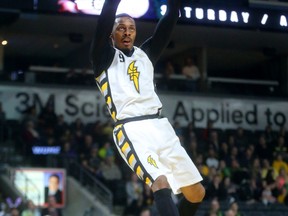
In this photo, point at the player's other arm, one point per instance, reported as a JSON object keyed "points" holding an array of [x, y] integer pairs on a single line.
{"points": [[102, 52], [155, 45]]}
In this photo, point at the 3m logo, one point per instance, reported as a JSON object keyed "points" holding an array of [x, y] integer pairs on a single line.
{"points": [[134, 75], [151, 161]]}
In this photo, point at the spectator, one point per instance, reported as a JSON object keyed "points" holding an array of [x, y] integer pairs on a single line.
{"points": [[30, 137], [215, 189], [212, 160], [77, 125], [94, 160], [106, 150], [202, 167], [229, 189], [267, 197], [31, 209], [234, 207], [214, 141], [230, 212], [91, 170], [281, 148], [281, 185], [86, 147], [60, 127], [231, 141], [134, 192], [107, 130], [148, 197], [178, 130], [255, 170], [145, 212], [266, 168], [282, 132], [192, 149], [247, 159], [241, 140], [78, 129], [206, 133], [51, 209], [64, 134], [269, 192], [98, 133], [234, 153], [224, 152], [192, 74], [30, 115], [190, 132], [262, 150], [47, 119], [223, 169], [269, 135], [238, 173], [214, 208], [68, 154], [278, 164], [13, 212], [168, 71], [250, 190], [110, 172]]}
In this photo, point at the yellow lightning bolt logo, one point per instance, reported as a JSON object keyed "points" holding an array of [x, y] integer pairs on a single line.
{"points": [[151, 161], [134, 75]]}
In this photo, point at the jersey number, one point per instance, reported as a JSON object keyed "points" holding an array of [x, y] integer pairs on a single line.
{"points": [[122, 59]]}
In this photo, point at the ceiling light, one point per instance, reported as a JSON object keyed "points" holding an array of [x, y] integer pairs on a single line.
{"points": [[4, 42]]}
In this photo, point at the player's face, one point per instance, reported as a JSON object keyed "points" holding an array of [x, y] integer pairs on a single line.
{"points": [[124, 33]]}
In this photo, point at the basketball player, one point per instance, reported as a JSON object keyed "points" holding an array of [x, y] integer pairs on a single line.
{"points": [[147, 142]]}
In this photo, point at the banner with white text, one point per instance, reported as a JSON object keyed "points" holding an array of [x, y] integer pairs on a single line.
{"points": [[226, 113]]}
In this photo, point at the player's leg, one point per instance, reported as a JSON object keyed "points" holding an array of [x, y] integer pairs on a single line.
{"points": [[138, 149], [162, 197], [193, 196], [186, 177]]}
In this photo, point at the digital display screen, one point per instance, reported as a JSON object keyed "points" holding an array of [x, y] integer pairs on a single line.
{"points": [[40, 184], [145, 9], [235, 14], [247, 14]]}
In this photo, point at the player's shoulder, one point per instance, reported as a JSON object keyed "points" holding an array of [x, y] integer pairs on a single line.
{"points": [[139, 51]]}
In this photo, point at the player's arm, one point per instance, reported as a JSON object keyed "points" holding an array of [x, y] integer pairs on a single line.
{"points": [[155, 45], [102, 52]]}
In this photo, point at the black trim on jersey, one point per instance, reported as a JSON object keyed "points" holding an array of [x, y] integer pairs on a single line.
{"points": [[106, 80]]}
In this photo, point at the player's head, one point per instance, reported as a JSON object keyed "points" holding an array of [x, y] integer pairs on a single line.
{"points": [[124, 32]]}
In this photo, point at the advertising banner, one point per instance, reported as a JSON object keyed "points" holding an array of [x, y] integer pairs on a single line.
{"points": [[90, 106]]}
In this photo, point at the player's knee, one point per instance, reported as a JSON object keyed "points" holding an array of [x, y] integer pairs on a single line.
{"points": [[194, 193], [160, 183]]}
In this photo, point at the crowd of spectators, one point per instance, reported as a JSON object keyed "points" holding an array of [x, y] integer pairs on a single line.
{"points": [[236, 164]]}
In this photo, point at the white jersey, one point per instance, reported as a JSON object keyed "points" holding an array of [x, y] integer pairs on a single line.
{"points": [[128, 86]]}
